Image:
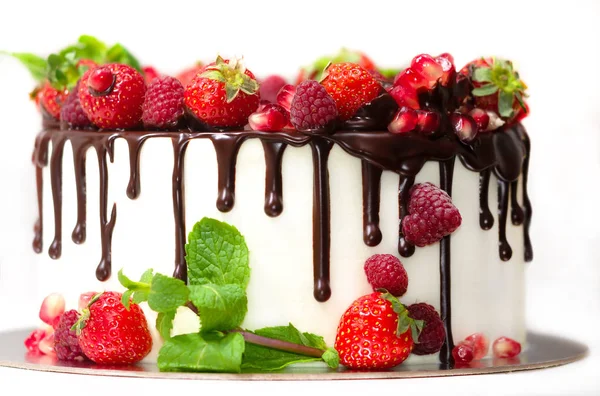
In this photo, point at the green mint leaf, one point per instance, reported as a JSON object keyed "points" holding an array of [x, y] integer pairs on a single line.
{"points": [[167, 293], [144, 283], [37, 66], [220, 307], [291, 334], [216, 253], [140, 296], [482, 74], [126, 298], [119, 54], [505, 104], [485, 90], [208, 352], [331, 357], [164, 323], [147, 276], [89, 47]]}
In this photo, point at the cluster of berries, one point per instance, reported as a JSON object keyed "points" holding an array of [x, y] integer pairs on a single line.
{"points": [[101, 330]]}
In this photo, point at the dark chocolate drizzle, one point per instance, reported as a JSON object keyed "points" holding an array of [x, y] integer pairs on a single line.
{"points": [[180, 144], [526, 202], [56, 160], [104, 269], [486, 219], [371, 189], [273, 179], [405, 248], [226, 147], [79, 155]]}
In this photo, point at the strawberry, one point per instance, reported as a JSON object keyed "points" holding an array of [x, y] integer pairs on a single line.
{"points": [[223, 95], [112, 96], [376, 332], [497, 87], [109, 333], [351, 86], [186, 75], [50, 99], [315, 71]]}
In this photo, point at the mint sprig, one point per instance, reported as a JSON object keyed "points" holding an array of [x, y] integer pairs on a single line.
{"points": [[221, 307]]}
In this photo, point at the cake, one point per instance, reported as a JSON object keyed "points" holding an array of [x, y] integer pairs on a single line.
{"points": [[305, 187]]}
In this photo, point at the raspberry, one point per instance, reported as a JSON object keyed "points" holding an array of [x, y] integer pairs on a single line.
{"points": [[312, 107], [66, 344], [72, 113], [433, 334], [385, 271], [431, 216], [270, 86], [163, 105]]}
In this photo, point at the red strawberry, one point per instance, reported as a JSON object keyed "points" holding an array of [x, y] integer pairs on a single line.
{"points": [[187, 75], [497, 87], [376, 332], [109, 333], [50, 99], [314, 72], [351, 86], [224, 95], [112, 96], [150, 73]]}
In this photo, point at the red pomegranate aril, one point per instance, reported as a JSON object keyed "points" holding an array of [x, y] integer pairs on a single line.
{"points": [[480, 345], [405, 120], [101, 80], [84, 299], [32, 342], [411, 79], [505, 347], [52, 308], [46, 345], [426, 66], [269, 118], [463, 353], [285, 96], [446, 61], [481, 117], [428, 121], [464, 127], [405, 96]]}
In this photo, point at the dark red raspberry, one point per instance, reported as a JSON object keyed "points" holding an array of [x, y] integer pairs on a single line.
{"points": [[385, 271], [431, 216], [163, 105], [312, 107], [270, 86], [72, 113], [433, 334], [66, 344]]}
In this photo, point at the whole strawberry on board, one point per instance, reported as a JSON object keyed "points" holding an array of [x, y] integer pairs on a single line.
{"points": [[110, 333], [376, 332], [223, 95]]}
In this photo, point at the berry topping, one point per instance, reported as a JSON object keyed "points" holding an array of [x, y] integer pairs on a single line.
{"points": [[163, 104], [446, 61], [405, 96], [66, 343], [72, 112], [481, 118], [315, 71], [46, 345], [480, 345], [187, 75], [464, 127], [285, 96], [120, 105], [433, 335], [505, 347], [312, 107], [427, 67], [270, 86], [350, 86], [269, 117], [411, 79], [52, 308], [405, 120], [109, 333], [385, 271], [223, 95], [50, 99], [150, 73], [32, 342], [376, 332], [431, 216], [463, 352], [428, 121], [84, 300]]}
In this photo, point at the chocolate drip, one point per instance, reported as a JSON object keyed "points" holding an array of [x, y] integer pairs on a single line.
{"points": [[486, 219], [273, 179], [58, 145], [134, 143], [321, 219], [226, 147], [180, 144], [38, 228], [446, 174], [526, 201], [516, 213], [104, 269], [503, 246], [406, 249], [371, 189], [79, 154]]}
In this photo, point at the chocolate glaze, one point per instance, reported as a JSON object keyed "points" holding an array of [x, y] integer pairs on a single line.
{"points": [[56, 160], [526, 202], [180, 144], [79, 155], [405, 248], [273, 179], [371, 188], [104, 269], [486, 219], [226, 147]]}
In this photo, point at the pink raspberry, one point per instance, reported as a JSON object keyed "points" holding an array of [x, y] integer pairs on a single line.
{"points": [[72, 112], [433, 334], [66, 344], [431, 216], [270, 86], [312, 107], [163, 105], [385, 271]]}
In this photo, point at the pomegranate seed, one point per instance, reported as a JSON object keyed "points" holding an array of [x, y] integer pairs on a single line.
{"points": [[269, 118], [464, 127], [505, 347], [405, 96], [285, 96], [101, 81], [428, 121], [33, 341], [411, 79], [46, 345], [84, 299], [463, 352], [426, 66], [480, 345], [52, 307], [481, 117], [405, 120], [446, 61], [495, 121]]}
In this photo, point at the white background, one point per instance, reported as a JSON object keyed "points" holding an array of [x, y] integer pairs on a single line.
{"points": [[554, 44]]}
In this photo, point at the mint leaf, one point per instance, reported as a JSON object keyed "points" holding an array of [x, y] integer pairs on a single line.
{"points": [[167, 293], [119, 54], [291, 334], [485, 90], [505, 102], [164, 323], [220, 307], [89, 47], [331, 357], [213, 352], [126, 298], [216, 253], [36, 65]]}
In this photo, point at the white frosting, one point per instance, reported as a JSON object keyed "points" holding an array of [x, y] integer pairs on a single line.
{"points": [[487, 294]]}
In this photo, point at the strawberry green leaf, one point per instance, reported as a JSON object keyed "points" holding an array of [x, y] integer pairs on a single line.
{"points": [[220, 307], [126, 298], [89, 47], [213, 75], [36, 65], [119, 54], [167, 293], [482, 74], [213, 352], [139, 289], [519, 97], [485, 90], [405, 322], [164, 323], [505, 104], [331, 357]]}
